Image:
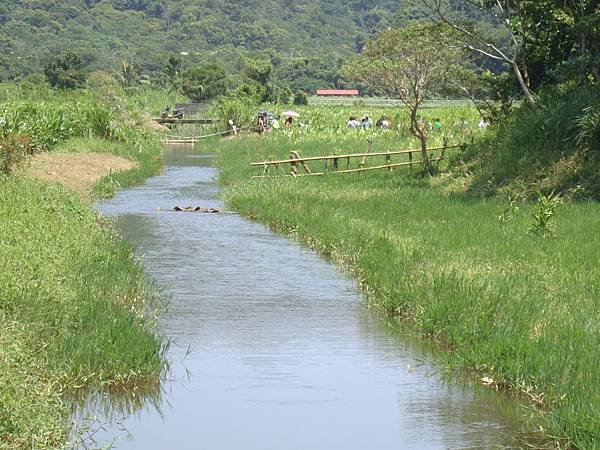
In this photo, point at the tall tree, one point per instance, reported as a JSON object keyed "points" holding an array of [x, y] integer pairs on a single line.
{"points": [[407, 64], [475, 41], [205, 82], [65, 71], [544, 36]]}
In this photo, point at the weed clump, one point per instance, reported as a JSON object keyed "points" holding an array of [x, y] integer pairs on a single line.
{"points": [[542, 221], [13, 150]]}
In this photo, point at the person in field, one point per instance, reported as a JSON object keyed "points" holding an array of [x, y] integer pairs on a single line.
{"points": [[353, 123], [366, 123], [383, 123]]}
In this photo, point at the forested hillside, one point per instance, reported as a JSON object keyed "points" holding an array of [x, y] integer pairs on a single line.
{"points": [[106, 32]]}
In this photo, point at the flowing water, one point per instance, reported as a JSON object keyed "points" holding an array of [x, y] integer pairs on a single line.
{"points": [[272, 347]]}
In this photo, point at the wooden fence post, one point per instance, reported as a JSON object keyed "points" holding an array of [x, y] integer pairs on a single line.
{"points": [[444, 145], [294, 165], [232, 127], [296, 155], [363, 160], [388, 159]]}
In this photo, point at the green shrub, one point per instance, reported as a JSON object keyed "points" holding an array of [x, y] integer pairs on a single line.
{"points": [[552, 145], [240, 111], [588, 131], [542, 221], [65, 71], [300, 98], [13, 149]]}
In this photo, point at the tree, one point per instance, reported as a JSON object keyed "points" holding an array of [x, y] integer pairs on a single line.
{"points": [[259, 73], [173, 67], [65, 71], [406, 64], [173, 72], [259, 70], [205, 82], [475, 41]]}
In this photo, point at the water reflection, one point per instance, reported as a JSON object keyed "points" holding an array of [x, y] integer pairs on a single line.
{"points": [[115, 403], [274, 348]]}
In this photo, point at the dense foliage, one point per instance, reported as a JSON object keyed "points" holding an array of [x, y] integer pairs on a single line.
{"points": [[148, 31], [554, 146], [205, 82], [65, 71], [550, 41], [305, 43]]}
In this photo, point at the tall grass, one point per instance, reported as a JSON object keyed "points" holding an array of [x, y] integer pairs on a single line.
{"points": [[74, 304], [59, 118], [77, 299], [507, 304], [552, 146], [329, 123]]}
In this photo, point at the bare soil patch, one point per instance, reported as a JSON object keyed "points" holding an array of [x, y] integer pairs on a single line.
{"points": [[77, 171]]}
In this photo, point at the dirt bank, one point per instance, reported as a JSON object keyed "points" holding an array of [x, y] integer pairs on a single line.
{"points": [[77, 171]]}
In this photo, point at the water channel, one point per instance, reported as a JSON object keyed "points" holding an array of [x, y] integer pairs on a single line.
{"points": [[272, 347]]}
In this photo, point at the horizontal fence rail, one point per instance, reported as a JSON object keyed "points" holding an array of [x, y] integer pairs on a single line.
{"points": [[386, 166], [173, 120], [296, 160], [350, 155]]}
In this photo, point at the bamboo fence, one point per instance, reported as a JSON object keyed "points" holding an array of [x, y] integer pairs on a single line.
{"points": [[297, 161]]}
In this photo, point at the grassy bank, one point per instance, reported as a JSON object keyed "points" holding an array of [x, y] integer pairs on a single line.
{"points": [[552, 146], [507, 304], [73, 301]]}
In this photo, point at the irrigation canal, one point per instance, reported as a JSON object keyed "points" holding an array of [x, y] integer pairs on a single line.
{"points": [[272, 346]]}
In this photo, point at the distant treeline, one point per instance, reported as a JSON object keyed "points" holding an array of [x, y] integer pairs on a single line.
{"points": [[306, 42]]}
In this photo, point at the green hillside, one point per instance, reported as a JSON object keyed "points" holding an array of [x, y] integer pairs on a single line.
{"points": [[105, 32]]}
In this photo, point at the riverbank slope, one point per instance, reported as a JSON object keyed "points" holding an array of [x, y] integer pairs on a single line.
{"points": [[515, 310], [73, 300]]}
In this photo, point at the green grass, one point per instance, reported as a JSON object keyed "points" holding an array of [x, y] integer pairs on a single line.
{"points": [[74, 303], [73, 310], [552, 146], [507, 304]]}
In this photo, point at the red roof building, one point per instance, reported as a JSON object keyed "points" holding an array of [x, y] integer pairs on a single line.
{"points": [[337, 92]]}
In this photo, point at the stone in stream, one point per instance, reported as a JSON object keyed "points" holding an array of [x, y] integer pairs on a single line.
{"points": [[195, 209]]}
